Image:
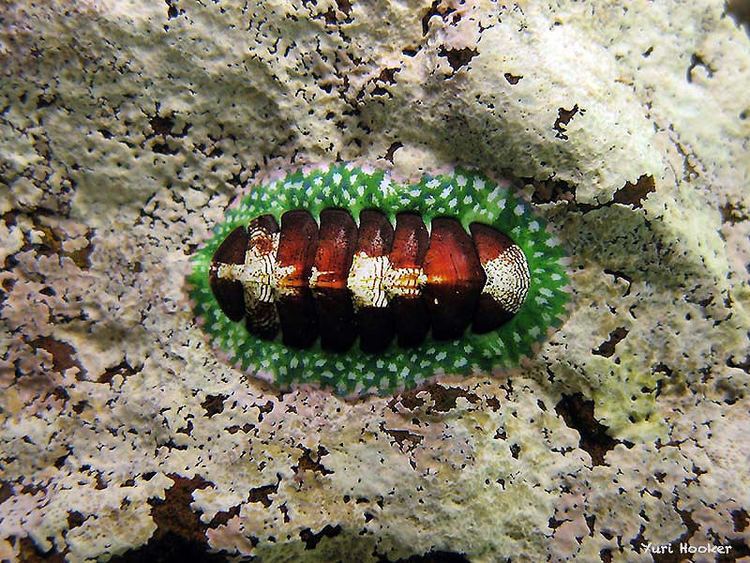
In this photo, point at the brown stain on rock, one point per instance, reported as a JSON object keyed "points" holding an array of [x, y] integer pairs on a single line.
{"points": [[63, 354], [180, 535]]}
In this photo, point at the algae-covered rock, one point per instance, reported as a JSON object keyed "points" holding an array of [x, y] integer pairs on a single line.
{"points": [[127, 128]]}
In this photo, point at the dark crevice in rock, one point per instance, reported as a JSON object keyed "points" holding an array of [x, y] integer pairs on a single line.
{"points": [[161, 125], [247, 427], [45, 101], [621, 276], [308, 462], [634, 194], [32, 488], [739, 10], [262, 494], [551, 191], [458, 57], [668, 376], [172, 12], [436, 9], [406, 440], [224, 516], [101, 484], [187, 429], [392, 150], [312, 539], [740, 549], [493, 403], [331, 15], [563, 118], [30, 553], [380, 91], [345, 6], [445, 398], [171, 548], [554, 523], [162, 130], [607, 348], [6, 491], [388, 75], [696, 61], [214, 404], [740, 519], [578, 414], [590, 524], [265, 408], [123, 369], [180, 535], [164, 148], [407, 399], [638, 540], [173, 514], [512, 78], [75, 519], [60, 461]]}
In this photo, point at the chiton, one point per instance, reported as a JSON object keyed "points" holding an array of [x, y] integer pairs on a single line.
{"points": [[344, 278], [342, 281]]}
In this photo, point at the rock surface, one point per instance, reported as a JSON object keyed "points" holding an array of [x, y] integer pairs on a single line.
{"points": [[126, 127]]}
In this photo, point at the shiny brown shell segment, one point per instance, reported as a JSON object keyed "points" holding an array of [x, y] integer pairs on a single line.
{"points": [[298, 244], [410, 243], [229, 293], [454, 279]]}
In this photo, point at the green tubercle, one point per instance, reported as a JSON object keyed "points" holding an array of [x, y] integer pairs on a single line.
{"points": [[466, 195]]}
